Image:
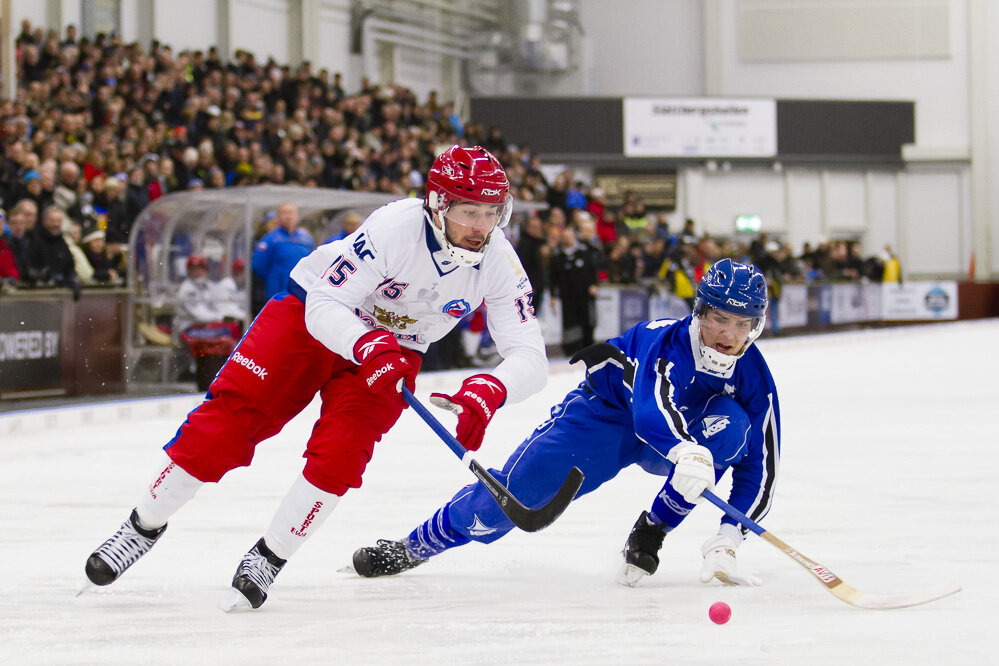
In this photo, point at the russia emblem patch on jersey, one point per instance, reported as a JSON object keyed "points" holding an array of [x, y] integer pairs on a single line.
{"points": [[457, 308]]}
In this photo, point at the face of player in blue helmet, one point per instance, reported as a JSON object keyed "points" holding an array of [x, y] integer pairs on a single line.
{"points": [[729, 313]]}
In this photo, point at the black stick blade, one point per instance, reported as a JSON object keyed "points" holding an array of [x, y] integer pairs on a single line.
{"points": [[530, 520]]}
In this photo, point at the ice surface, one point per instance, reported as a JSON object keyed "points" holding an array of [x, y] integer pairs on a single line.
{"points": [[889, 459]]}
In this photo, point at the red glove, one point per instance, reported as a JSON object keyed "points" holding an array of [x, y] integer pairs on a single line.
{"points": [[382, 363], [474, 403]]}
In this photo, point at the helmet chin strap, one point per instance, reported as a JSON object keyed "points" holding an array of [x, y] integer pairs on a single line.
{"points": [[461, 256], [708, 358]]}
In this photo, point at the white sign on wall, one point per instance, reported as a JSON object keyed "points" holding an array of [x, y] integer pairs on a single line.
{"points": [[699, 127], [919, 300], [792, 308]]}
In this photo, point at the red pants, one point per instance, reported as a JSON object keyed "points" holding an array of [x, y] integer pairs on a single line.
{"points": [[273, 374]]}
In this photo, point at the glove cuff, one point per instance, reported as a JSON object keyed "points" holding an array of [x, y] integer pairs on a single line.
{"points": [[733, 532], [487, 386], [685, 447], [716, 542], [372, 344]]}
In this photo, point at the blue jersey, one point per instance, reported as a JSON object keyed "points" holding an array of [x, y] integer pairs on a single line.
{"points": [[663, 383], [645, 392], [277, 253]]}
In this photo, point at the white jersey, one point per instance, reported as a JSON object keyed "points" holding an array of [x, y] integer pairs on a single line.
{"points": [[392, 274]]}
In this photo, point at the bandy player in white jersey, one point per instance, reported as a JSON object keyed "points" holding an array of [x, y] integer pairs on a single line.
{"points": [[353, 324]]}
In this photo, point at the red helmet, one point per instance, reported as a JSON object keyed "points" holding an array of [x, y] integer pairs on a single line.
{"points": [[466, 174], [196, 261]]}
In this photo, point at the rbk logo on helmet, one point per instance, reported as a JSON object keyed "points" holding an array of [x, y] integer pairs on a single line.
{"points": [[491, 193]]}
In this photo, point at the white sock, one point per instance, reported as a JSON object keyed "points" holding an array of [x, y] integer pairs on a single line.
{"points": [[170, 489], [302, 511]]}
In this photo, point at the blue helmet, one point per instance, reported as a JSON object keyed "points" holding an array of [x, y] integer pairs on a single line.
{"points": [[739, 289]]}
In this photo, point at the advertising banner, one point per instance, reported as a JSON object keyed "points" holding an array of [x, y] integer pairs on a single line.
{"points": [[667, 306], [700, 127], [608, 314], [847, 304], [634, 305], [30, 346], [919, 300], [792, 309]]}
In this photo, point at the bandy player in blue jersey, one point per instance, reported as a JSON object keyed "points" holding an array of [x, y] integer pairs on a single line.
{"points": [[686, 399], [352, 326]]}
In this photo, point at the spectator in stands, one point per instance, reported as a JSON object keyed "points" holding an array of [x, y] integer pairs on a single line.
{"points": [[106, 271], [31, 184], [586, 233], [196, 297], [279, 250], [688, 235], [136, 195], [535, 253], [635, 219], [707, 254], [349, 224], [574, 283], [892, 267], [9, 271], [230, 293], [661, 230], [67, 190], [200, 321], [72, 234], [110, 203], [20, 220], [596, 204], [50, 260]]}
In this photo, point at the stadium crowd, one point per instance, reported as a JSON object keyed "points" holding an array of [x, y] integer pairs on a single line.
{"points": [[100, 128]]}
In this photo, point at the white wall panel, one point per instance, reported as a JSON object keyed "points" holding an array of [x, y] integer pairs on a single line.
{"points": [[334, 37], [844, 201], [938, 86], [787, 30], [133, 11], [804, 207], [930, 223], [33, 10], [186, 24], [727, 194], [882, 213], [422, 71], [261, 27], [644, 47]]}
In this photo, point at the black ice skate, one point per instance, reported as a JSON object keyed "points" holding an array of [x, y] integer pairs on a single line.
{"points": [[121, 551], [641, 552], [385, 559], [254, 575]]}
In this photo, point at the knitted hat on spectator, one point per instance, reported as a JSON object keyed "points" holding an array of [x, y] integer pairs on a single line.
{"points": [[30, 176], [96, 234]]}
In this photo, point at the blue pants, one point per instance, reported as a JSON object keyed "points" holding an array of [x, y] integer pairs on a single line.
{"points": [[586, 432]]}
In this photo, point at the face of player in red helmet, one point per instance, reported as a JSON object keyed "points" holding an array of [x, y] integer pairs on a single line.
{"points": [[468, 196], [468, 225]]}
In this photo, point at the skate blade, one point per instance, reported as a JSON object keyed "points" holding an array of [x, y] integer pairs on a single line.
{"points": [[349, 569], [629, 575], [87, 587], [234, 602]]}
